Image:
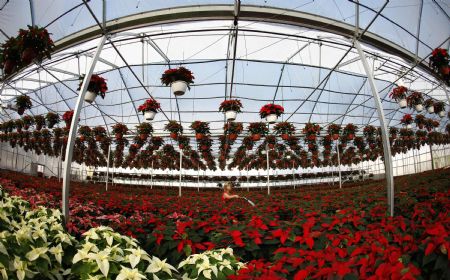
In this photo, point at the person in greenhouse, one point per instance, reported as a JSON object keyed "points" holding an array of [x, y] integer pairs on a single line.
{"points": [[227, 196]]}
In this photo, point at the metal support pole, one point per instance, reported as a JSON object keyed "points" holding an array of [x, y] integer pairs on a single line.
{"points": [[198, 180], [73, 131], [32, 13], [293, 174], [151, 177], [339, 164], [181, 167], [432, 159], [107, 167], [268, 169], [384, 131], [248, 186]]}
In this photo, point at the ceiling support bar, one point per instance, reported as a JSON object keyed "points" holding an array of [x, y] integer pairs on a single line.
{"points": [[384, 130]]}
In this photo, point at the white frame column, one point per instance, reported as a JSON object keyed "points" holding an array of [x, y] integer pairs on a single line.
{"points": [[74, 128], [383, 124]]}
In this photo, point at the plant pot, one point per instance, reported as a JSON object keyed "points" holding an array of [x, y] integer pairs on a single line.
{"points": [[408, 126], [90, 96], [149, 115], [441, 114], [430, 109], [28, 55], [402, 103], [9, 66], [230, 115], [179, 87], [419, 107], [272, 118]]}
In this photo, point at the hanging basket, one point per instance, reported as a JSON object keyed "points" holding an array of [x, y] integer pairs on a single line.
{"points": [[419, 107], [230, 115], [179, 87], [90, 96], [430, 109], [402, 103], [271, 118], [149, 115], [408, 126]]}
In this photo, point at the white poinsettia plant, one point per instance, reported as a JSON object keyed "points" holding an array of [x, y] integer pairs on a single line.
{"points": [[105, 254], [32, 242], [213, 264]]}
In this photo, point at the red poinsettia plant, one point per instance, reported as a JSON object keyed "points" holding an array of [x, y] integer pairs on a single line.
{"points": [[334, 130], [67, 118], [174, 128], [27, 121], [144, 130], [35, 42], [420, 120], [23, 102], [10, 55], [429, 103], [52, 119], [284, 129], [415, 98], [149, 105], [407, 119], [177, 74], [270, 109], [96, 85], [311, 128], [119, 129], [39, 121], [439, 106], [439, 57], [398, 93], [257, 129], [349, 131], [200, 128], [231, 105]]}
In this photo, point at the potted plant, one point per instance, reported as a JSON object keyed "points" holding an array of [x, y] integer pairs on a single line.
{"points": [[415, 100], [149, 109], [35, 44], [183, 142], [85, 132], [420, 120], [271, 112], [334, 130], [257, 129], [52, 119], [439, 60], [39, 120], [233, 129], [284, 129], [200, 128], [119, 129], [230, 107], [399, 95], [429, 105], [27, 122], [18, 125], [99, 133], [439, 108], [179, 79], [97, 86], [174, 128], [144, 130], [10, 56], [349, 131], [311, 130], [67, 118], [407, 121], [23, 102]]}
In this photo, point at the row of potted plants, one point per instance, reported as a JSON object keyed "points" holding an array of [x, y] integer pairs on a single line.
{"points": [[415, 100]]}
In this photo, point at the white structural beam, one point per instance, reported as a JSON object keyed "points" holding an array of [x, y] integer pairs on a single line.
{"points": [[73, 131], [384, 130]]}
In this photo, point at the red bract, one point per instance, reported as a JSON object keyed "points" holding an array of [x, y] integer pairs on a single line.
{"points": [[269, 109]]}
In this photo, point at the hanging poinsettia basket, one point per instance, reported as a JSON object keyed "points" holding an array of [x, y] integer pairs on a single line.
{"points": [[407, 120], [399, 94], [230, 108], [271, 112], [439, 108], [334, 130], [97, 86], [284, 129], [10, 56], [429, 105], [51, 119], [415, 100], [35, 43], [149, 109], [179, 79], [23, 102], [67, 118], [174, 128]]}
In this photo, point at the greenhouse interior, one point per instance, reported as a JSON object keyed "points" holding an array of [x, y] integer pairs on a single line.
{"points": [[246, 139]]}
